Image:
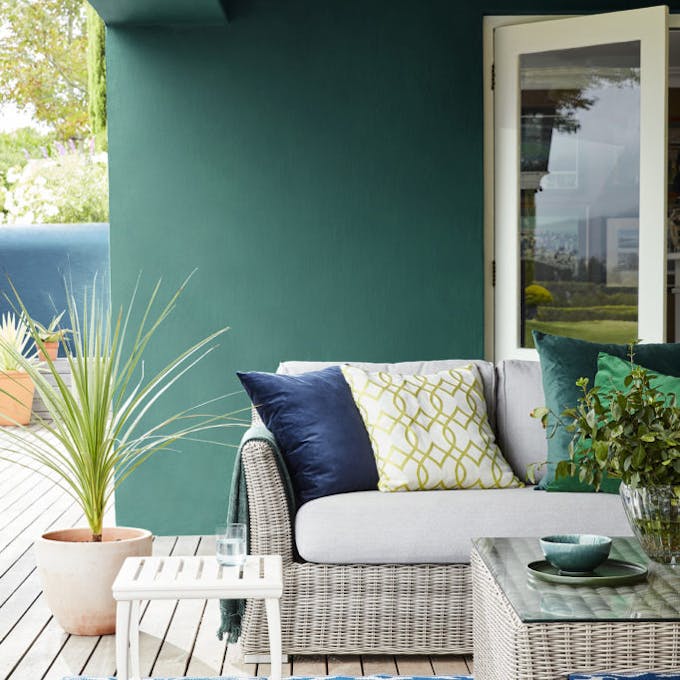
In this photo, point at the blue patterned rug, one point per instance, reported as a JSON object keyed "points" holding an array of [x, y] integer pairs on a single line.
{"points": [[573, 676], [625, 676], [298, 677]]}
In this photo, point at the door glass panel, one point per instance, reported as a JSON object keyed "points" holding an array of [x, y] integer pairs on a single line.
{"points": [[579, 192], [673, 281]]}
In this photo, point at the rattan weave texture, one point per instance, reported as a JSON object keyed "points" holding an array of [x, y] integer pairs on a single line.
{"points": [[506, 648], [343, 609]]}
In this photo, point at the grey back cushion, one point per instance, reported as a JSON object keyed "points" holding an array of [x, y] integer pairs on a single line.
{"points": [[522, 438], [485, 368]]}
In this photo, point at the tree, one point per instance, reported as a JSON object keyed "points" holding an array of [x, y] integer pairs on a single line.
{"points": [[43, 62], [18, 146], [96, 76]]}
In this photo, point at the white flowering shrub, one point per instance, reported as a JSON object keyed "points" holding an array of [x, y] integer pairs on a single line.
{"points": [[70, 187]]}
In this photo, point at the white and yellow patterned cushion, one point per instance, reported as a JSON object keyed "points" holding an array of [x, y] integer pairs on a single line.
{"points": [[429, 431]]}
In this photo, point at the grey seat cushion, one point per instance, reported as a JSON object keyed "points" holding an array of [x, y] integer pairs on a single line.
{"points": [[521, 438], [370, 527], [485, 368]]}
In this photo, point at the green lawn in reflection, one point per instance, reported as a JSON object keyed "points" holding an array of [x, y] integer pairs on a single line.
{"points": [[621, 332]]}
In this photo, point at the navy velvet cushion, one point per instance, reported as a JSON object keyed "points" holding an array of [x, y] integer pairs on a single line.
{"points": [[319, 429]]}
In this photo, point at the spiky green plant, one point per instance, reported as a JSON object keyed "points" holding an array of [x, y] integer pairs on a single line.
{"points": [[53, 332], [14, 342], [96, 435]]}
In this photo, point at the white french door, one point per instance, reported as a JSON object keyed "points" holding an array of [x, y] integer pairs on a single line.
{"points": [[580, 135]]}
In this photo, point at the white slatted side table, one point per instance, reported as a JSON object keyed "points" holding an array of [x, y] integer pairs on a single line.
{"points": [[178, 578]]}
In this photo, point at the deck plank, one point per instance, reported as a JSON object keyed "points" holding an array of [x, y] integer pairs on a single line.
{"points": [[208, 653], [312, 665], [375, 664], [177, 638], [344, 665], [11, 475], [414, 665], [469, 662], [22, 567], [18, 604], [102, 662], [449, 665], [72, 657], [30, 644], [154, 622], [22, 635], [234, 665], [263, 670], [19, 488], [16, 575], [76, 649], [26, 535], [45, 650], [173, 657], [33, 515]]}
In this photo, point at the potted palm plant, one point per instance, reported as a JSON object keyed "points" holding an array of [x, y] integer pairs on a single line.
{"points": [[96, 436], [16, 387], [50, 336], [632, 434]]}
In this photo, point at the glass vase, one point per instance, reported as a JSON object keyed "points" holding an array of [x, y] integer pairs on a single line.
{"points": [[654, 515]]}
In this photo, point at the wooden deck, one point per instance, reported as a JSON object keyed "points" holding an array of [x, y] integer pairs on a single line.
{"points": [[177, 638]]}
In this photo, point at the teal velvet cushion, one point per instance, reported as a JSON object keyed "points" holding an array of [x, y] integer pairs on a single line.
{"points": [[611, 375], [563, 362]]}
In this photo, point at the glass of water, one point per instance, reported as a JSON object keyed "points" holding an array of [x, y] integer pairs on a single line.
{"points": [[231, 544]]}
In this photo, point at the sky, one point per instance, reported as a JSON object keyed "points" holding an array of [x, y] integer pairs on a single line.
{"points": [[12, 119]]}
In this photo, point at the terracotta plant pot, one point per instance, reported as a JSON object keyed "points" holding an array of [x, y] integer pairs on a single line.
{"points": [[77, 575], [16, 409], [51, 349]]}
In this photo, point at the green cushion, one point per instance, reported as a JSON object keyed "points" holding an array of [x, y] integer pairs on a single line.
{"points": [[611, 375], [563, 362]]}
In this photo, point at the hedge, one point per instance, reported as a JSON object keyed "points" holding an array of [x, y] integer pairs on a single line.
{"points": [[587, 294], [596, 313]]}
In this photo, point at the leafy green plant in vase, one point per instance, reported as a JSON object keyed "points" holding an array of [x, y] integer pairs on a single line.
{"points": [[16, 386], [632, 434], [50, 337], [99, 430]]}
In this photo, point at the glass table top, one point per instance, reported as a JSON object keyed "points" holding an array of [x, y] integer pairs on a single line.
{"points": [[537, 601]]}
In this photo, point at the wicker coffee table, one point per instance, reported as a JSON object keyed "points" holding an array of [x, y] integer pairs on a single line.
{"points": [[525, 628]]}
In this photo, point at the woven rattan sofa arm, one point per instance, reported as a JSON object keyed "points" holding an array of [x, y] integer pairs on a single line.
{"points": [[270, 521]]}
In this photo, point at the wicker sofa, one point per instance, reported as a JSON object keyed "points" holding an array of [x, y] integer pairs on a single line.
{"points": [[370, 572]]}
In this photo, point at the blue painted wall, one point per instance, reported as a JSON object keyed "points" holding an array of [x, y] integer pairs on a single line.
{"points": [[41, 260]]}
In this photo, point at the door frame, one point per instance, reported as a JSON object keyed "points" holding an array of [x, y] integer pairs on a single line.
{"points": [[489, 24]]}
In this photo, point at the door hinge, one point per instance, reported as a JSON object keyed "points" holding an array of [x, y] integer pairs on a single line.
{"points": [[493, 76], [493, 273]]}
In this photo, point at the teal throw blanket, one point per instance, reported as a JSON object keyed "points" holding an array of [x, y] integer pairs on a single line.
{"points": [[232, 610]]}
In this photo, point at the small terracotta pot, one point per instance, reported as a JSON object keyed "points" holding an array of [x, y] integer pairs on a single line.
{"points": [[51, 349], [77, 575], [16, 409]]}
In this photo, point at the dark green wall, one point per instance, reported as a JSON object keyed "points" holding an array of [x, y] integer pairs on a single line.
{"points": [[320, 163]]}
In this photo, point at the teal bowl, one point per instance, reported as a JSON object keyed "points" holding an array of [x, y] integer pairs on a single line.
{"points": [[576, 553]]}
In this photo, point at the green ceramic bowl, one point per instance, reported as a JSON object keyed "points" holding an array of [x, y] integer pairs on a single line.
{"points": [[576, 553]]}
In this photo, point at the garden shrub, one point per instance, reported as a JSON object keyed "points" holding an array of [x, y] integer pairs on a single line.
{"points": [[593, 313], [69, 188], [587, 294], [537, 295]]}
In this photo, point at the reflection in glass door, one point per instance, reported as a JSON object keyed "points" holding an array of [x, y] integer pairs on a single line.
{"points": [[580, 116], [673, 281], [579, 192]]}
